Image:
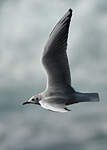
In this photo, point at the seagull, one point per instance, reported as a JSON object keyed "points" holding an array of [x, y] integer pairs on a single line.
{"points": [[59, 92]]}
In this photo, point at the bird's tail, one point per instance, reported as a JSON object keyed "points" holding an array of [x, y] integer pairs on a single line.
{"points": [[86, 97]]}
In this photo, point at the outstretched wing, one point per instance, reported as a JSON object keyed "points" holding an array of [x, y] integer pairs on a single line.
{"points": [[54, 104], [54, 56]]}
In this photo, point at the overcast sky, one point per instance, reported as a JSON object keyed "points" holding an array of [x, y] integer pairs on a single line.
{"points": [[24, 29]]}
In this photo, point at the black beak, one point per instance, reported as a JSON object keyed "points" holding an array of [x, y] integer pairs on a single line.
{"points": [[26, 103]]}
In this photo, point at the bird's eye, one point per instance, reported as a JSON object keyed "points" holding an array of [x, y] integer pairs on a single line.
{"points": [[33, 99], [36, 98]]}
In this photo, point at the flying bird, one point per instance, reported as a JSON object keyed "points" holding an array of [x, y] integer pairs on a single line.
{"points": [[59, 92]]}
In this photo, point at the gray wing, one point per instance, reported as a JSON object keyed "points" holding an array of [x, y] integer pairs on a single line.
{"points": [[54, 104], [54, 56]]}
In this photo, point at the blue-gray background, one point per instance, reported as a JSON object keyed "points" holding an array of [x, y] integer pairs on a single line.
{"points": [[24, 29]]}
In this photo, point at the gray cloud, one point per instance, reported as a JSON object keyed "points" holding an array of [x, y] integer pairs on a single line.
{"points": [[28, 131], [24, 29]]}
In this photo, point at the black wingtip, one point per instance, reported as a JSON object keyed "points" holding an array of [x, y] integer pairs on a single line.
{"points": [[70, 10]]}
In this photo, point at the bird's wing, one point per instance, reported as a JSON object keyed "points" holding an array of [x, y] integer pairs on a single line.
{"points": [[53, 106], [54, 56]]}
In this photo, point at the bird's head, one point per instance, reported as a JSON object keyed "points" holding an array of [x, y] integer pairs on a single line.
{"points": [[33, 100]]}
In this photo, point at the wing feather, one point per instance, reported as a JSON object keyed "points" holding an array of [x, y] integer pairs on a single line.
{"points": [[54, 106], [54, 56]]}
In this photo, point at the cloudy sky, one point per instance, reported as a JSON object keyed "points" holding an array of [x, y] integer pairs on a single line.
{"points": [[24, 29]]}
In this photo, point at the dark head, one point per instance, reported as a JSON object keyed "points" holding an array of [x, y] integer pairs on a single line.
{"points": [[33, 100]]}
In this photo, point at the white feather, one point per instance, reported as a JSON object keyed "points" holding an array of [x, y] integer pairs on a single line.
{"points": [[53, 107]]}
